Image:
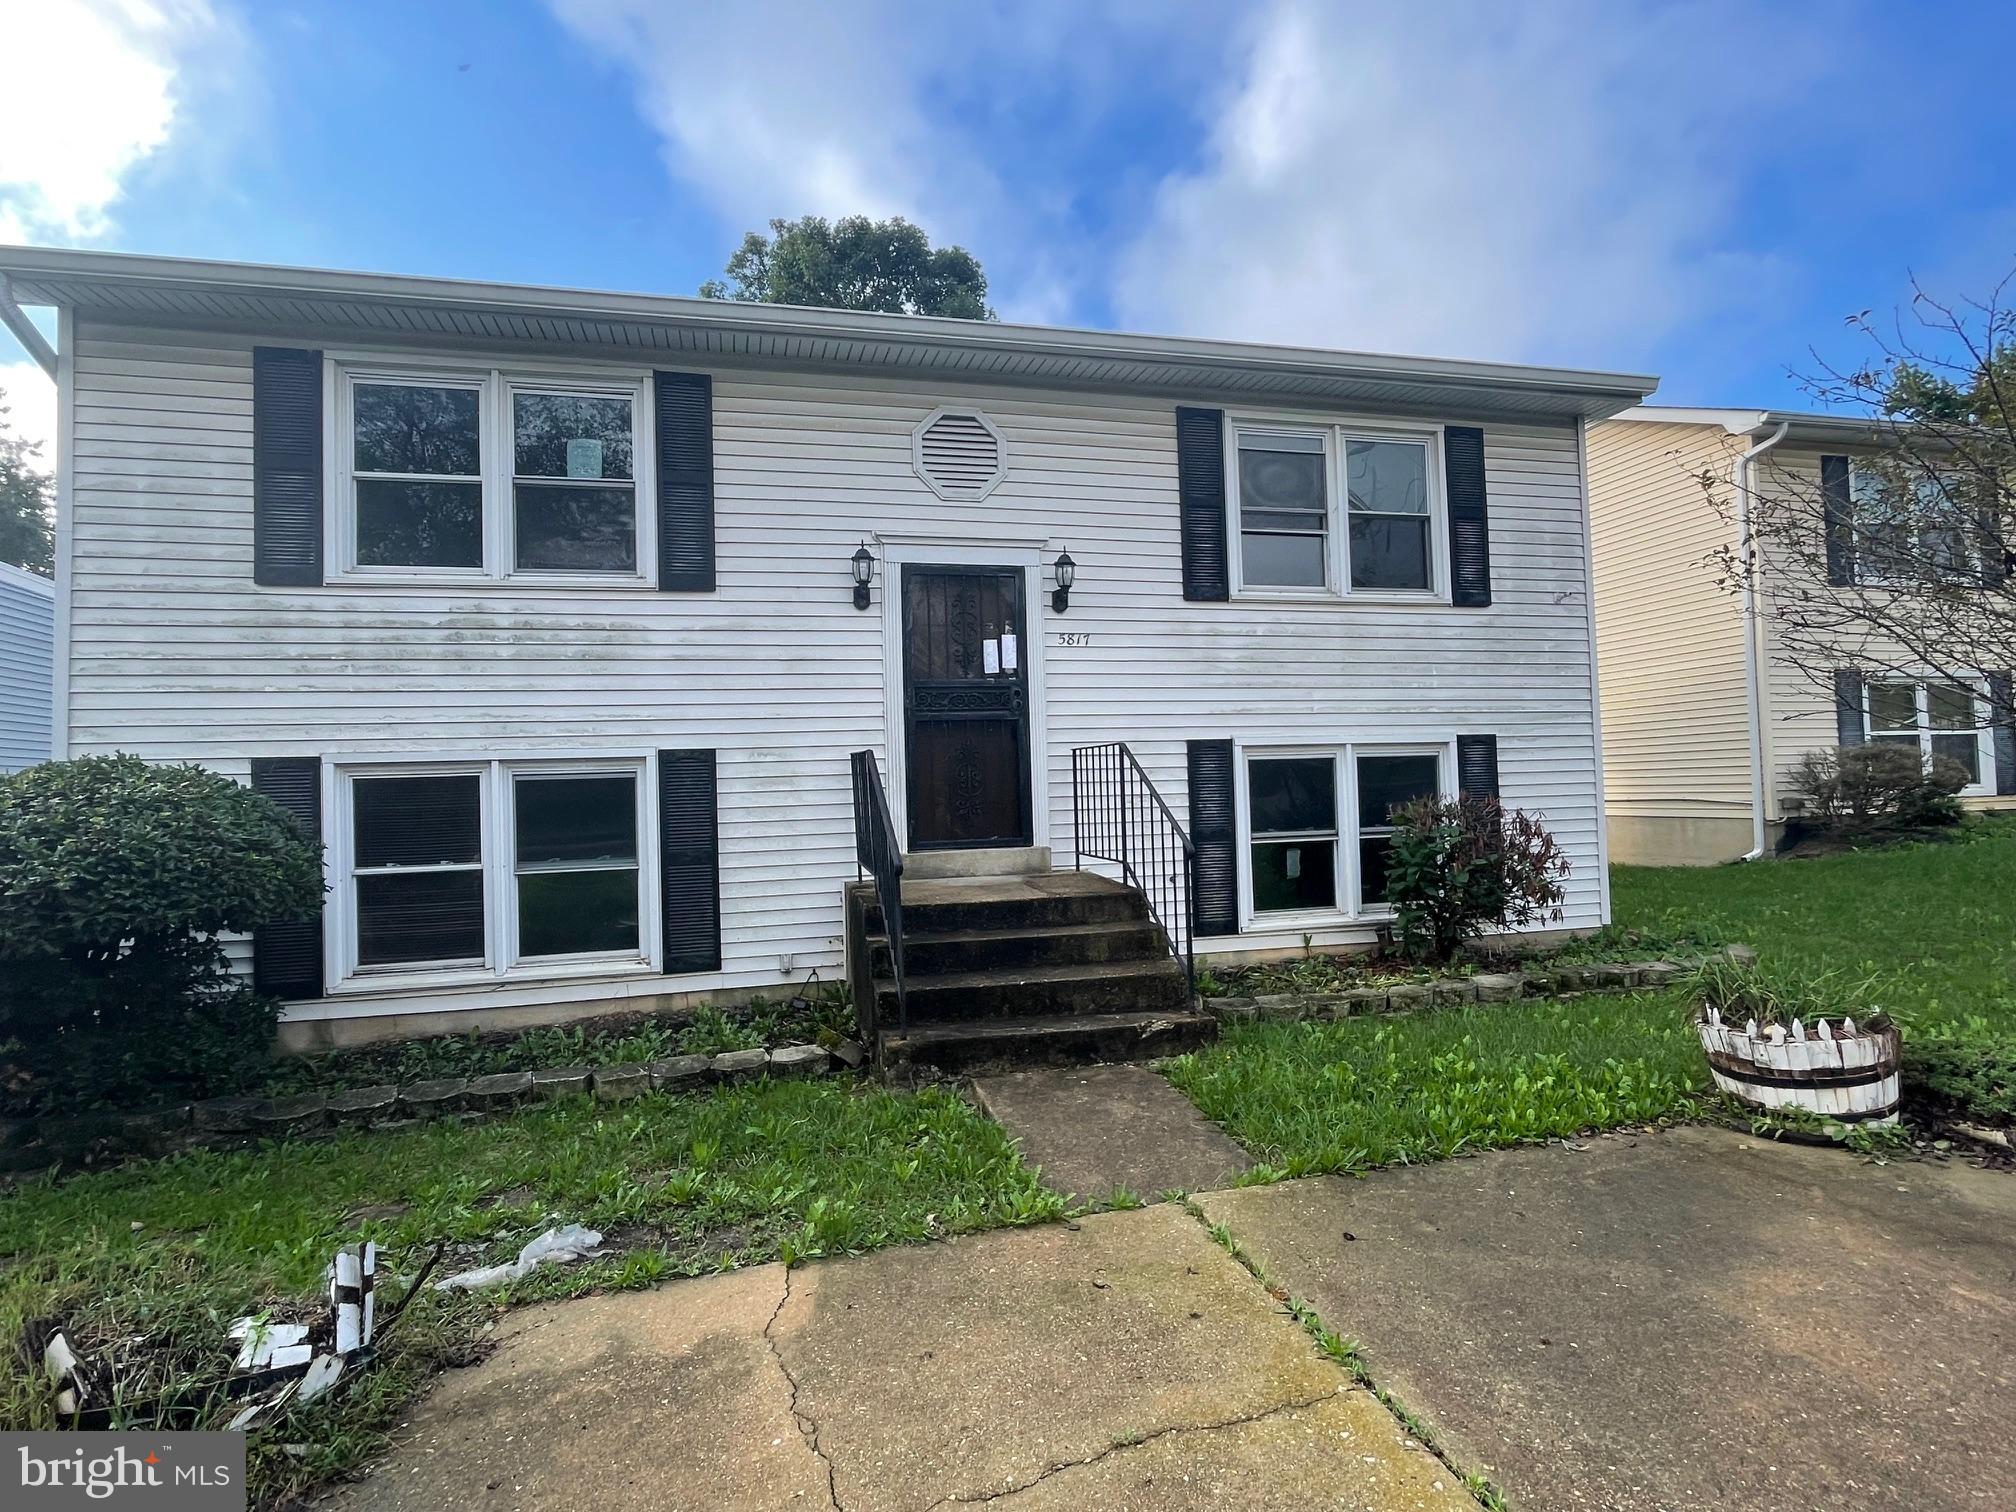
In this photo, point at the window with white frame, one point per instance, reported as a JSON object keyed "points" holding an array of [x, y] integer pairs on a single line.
{"points": [[1320, 824], [488, 473], [491, 867], [1939, 719], [1333, 509], [1911, 524]]}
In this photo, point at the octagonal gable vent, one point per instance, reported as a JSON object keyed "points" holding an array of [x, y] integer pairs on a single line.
{"points": [[960, 454]]}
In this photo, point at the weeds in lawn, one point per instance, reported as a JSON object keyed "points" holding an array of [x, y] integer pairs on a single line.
{"points": [[1357, 1093], [155, 1259], [1344, 1352]]}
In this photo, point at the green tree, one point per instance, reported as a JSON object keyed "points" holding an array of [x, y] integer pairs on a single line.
{"points": [[27, 535], [855, 264]]}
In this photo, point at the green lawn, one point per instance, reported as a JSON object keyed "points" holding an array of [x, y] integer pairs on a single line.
{"points": [[1934, 925], [1930, 928], [1362, 1092], [171, 1251]]}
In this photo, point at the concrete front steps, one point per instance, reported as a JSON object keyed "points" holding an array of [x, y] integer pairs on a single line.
{"points": [[1032, 968]]}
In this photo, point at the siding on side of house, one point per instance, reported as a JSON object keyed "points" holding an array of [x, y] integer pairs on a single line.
{"points": [[27, 666], [1676, 734], [1799, 693], [176, 654]]}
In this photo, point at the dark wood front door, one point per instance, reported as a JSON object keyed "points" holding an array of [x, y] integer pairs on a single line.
{"points": [[965, 707]]}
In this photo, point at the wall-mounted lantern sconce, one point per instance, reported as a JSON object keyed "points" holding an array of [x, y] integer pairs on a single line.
{"points": [[1066, 573], [864, 574]]}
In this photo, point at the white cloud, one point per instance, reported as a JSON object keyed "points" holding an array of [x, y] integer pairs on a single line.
{"points": [[1538, 182], [93, 92], [30, 399], [891, 107], [1520, 182]]}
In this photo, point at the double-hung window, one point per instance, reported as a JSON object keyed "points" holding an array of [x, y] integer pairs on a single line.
{"points": [[1938, 719], [1912, 525], [1320, 825], [1336, 510], [491, 868], [451, 474]]}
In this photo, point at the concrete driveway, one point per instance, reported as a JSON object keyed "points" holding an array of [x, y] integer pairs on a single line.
{"points": [[1688, 1320], [1684, 1320], [1124, 1362]]}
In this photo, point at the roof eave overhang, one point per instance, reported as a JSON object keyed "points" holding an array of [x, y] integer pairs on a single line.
{"points": [[378, 308]]}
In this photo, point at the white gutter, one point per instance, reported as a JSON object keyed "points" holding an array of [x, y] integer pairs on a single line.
{"points": [[16, 320], [1753, 656]]}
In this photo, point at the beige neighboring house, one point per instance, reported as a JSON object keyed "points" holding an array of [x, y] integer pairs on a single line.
{"points": [[1704, 717]]}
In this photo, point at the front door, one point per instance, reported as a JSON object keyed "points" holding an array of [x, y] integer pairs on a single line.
{"points": [[965, 707]]}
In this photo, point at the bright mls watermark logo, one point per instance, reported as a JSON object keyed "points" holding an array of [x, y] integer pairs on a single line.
{"points": [[164, 1472]]}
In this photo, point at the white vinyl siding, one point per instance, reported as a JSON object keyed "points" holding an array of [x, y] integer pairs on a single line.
{"points": [[176, 654], [27, 663]]}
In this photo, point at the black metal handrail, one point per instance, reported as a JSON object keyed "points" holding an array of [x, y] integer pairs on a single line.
{"points": [[1120, 818], [878, 854]]}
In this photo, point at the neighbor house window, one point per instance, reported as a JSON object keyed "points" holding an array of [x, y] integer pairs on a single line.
{"points": [[1320, 824], [1938, 719], [490, 474], [1911, 524], [486, 868], [1330, 510]]}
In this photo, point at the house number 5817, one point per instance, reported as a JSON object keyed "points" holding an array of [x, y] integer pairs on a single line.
{"points": [[1074, 637]]}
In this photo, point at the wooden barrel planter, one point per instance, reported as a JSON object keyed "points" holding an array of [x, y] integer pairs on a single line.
{"points": [[1839, 1071]]}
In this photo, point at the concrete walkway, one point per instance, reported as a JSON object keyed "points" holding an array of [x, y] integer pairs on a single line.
{"points": [[1123, 1362], [1096, 1130], [1687, 1320]]}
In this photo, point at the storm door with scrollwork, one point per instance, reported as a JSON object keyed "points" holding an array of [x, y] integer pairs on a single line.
{"points": [[965, 707]]}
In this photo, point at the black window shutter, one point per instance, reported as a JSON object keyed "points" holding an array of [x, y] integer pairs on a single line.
{"points": [[1214, 832], [286, 467], [287, 958], [2002, 709], [1469, 517], [689, 845], [1847, 706], [1994, 542], [1200, 485], [1477, 766], [1839, 523], [684, 415]]}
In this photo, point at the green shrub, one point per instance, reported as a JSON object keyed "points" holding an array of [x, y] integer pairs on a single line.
{"points": [[116, 879], [1868, 789], [1459, 866], [1975, 1079]]}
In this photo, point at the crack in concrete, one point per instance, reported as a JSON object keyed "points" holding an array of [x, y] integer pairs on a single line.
{"points": [[957, 1499], [808, 1428]]}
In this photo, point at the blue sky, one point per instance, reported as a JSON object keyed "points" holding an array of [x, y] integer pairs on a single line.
{"points": [[1703, 191]]}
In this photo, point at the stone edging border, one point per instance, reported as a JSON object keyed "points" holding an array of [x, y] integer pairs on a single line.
{"points": [[1486, 987], [104, 1137]]}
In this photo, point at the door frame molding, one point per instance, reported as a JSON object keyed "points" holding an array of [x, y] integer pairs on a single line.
{"points": [[899, 550]]}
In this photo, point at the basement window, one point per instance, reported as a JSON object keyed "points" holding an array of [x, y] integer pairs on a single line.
{"points": [[1939, 719], [1320, 826], [489, 870]]}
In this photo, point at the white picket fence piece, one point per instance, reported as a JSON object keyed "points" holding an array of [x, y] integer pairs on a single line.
{"points": [[1843, 1073]]}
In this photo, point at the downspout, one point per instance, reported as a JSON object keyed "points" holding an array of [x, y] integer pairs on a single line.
{"points": [[1753, 659]]}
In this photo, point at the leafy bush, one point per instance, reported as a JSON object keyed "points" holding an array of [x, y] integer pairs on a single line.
{"points": [[116, 879], [1974, 1078], [1881, 786], [1459, 866]]}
